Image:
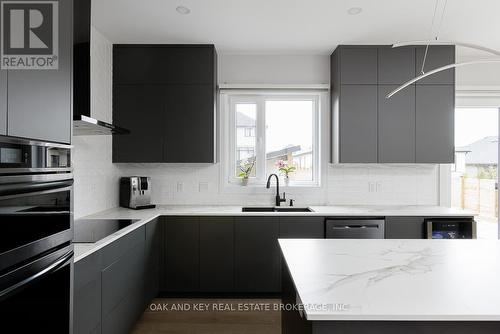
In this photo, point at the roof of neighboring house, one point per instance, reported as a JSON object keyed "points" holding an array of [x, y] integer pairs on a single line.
{"points": [[243, 120], [282, 152], [481, 152]]}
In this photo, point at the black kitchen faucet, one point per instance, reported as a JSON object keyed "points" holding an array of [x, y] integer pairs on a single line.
{"points": [[278, 197]]}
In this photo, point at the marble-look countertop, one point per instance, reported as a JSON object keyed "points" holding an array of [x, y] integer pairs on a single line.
{"points": [[395, 280], [144, 216]]}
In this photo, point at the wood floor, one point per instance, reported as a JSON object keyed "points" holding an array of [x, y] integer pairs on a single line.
{"points": [[210, 316]]}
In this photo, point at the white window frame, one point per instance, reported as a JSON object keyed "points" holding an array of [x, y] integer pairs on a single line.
{"points": [[229, 98]]}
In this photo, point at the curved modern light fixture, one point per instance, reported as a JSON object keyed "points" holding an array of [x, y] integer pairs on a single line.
{"points": [[439, 69], [439, 42]]}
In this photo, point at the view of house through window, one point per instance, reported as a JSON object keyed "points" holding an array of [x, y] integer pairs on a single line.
{"points": [[474, 175], [275, 134]]}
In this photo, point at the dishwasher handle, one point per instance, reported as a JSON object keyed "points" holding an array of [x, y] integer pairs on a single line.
{"points": [[355, 226], [371, 228]]}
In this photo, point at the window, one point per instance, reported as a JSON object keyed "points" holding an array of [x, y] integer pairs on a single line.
{"points": [[474, 174], [270, 131]]}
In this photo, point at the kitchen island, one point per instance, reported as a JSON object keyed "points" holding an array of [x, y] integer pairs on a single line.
{"points": [[390, 286]]}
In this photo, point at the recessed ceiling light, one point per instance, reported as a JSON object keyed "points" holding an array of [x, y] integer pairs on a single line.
{"points": [[354, 10], [183, 10]]}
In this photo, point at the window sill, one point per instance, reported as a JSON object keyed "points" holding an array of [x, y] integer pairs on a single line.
{"points": [[260, 188]]}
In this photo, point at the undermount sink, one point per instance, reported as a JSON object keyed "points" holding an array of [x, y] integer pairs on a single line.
{"points": [[274, 209]]}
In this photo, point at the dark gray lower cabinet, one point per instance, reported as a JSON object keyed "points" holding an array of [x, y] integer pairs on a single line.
{"points": [[182, 254], [302, 227], [404, 228], [257, 254], [114, 285], [216, 254], [153, 251], [87, 295]]}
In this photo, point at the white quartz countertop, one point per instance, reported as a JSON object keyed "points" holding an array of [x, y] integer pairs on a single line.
{"points": [[398, 280], [144, 216]]}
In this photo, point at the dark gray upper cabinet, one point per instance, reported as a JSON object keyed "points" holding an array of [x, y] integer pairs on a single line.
{"points": [[435, 111], [189, 124], [404, 228], [358, 123], [396, 65], [164, 64], [216, 254], [437, 56], [3, 102], [257, 255], [302, 227], [358, 65], [139, 108], [39, 101], [182, 254], [396, 125], [414, 126], [171, 116], [87, 295]]}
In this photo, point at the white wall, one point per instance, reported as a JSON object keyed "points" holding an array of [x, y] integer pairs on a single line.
{"points": [[96, 178], [96, 185]]}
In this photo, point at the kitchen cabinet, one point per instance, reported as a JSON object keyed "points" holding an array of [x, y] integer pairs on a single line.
{"points": [[39, 102], [3, 102], [164, 64], [139, 108], [435, 123], [404, 228], [216, 254], [413, 126], [182, 254], [395, 65], [302, 227], [122, 282], [358, 123], [153, 266], [177, 84], [396, 125], [358, 65], [437, 56], [188, 126], [257, 255], [87, 295]]}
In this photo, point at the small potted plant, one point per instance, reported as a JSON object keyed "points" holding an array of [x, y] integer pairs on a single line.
{"points": [[246, 167], [285, 169]]}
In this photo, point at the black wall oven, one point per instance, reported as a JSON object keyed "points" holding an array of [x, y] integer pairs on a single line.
{"points": [[36, 230]]}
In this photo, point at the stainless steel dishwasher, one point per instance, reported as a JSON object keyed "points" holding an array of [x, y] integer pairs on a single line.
{"points": [[355, 228]]}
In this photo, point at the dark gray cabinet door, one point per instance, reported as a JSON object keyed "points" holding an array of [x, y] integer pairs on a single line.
{"points": [[396, 125], [189, 123], [404, 228], [87, 295], [139, 109], [39, 101], [163, 64], [257, 254], [358, 65], [437, 56], [3, 102], [216, 254], [396, 65], [152, 260], [302, 227], [122, 290], [358, 124], [435, 110], [182, 254]]}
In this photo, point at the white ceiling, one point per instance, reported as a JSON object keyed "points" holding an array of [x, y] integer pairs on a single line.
{"points": [[292, 26]]}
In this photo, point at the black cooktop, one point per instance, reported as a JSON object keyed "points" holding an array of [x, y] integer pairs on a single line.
{"points": [[93, 230]]}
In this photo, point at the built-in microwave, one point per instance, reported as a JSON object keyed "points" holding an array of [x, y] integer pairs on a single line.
{"points": [[446, 228]]}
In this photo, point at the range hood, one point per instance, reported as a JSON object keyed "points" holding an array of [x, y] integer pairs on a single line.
{"points": [[83, 122]]}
